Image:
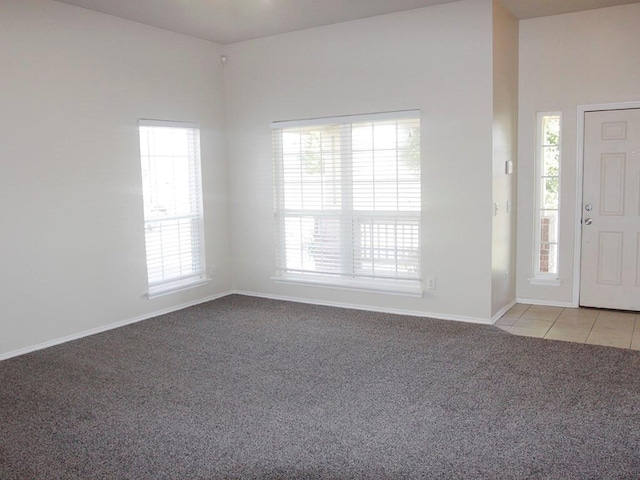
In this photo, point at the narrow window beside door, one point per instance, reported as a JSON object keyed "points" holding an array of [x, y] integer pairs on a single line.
{"points": [[547, 221], [172, 192], [348, 201]]}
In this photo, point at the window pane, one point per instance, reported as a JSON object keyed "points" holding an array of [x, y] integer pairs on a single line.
{"points": [[386, 195], [548, 258], [551, 161], [550, 187], [551, 130], [172, 248], [363, 196], [549, 226], [312, 244], [362, 137], [409, 197], [387, 247], [384, 136], [385, 166]]}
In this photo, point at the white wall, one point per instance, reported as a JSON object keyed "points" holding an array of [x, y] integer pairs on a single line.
{"points": [[590, 57], [73, 85], [436, 59], [505, 136]]}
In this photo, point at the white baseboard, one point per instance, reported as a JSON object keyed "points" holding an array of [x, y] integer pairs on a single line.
{"points": [[366, 308], [104, 328], [502, 311], [546, 303], [122, 323]]}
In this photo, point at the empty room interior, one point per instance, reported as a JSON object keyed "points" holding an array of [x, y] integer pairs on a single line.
{"points": [[320, 239]]}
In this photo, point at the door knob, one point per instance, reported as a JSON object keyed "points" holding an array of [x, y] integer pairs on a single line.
{"points": [[588, 221], [588, 207]]}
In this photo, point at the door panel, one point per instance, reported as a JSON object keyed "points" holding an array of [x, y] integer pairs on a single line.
{"points": [[610, 264]]}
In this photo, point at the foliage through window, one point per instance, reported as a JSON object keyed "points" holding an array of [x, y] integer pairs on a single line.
{"points": [[172, 193], [548, 195], [349, 198]]}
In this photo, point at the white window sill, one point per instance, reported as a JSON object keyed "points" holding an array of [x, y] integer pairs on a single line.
{"points": [[391, 287], [545, 281], [178, 286]]}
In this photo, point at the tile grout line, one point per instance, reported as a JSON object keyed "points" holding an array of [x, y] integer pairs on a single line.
{"points": [[552, 325], [591, 329], [633, 332]]}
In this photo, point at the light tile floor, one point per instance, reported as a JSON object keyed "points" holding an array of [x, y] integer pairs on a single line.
{"points": [[583, 325]]}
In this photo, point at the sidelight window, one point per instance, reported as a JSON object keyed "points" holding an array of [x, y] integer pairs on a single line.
{"points": [[547, 221]]}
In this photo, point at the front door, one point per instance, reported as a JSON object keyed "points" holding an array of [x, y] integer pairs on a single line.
{"points": [[610, 264]]}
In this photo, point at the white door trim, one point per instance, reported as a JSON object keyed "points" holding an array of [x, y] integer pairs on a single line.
{"points": [[582, 109]]}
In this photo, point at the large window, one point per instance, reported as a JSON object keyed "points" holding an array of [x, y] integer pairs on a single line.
{"points": [[348, 201], [171, 185], [547, 221]]}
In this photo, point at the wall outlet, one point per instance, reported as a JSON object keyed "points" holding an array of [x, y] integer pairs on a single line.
{"points": [[212, 271], [431, 283]]}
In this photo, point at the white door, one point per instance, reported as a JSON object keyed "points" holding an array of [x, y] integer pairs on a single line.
{"points": [[610, 267]]}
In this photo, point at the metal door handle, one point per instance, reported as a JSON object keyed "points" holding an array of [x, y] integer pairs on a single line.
{"points": [[588, 221]]}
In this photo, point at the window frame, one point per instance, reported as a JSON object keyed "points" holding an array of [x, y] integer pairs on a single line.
{"points": [[347, 278], [198, 276], [540, 277]]}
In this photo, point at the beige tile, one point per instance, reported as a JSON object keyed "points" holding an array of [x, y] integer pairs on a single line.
{"points": [[549, 317], [609, 340], [635, 339], [616, 315], [538, 332], [568, 333], [507, 320], [525, 322], [615, 325], [579, 313], [542, 312], [545, 313], [575, 321], [517, 310], [545, 309]]}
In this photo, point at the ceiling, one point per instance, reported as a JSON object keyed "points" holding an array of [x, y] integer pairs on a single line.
{"points": [[229, 21]]}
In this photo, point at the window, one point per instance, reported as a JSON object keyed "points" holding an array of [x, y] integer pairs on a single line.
{"points": [[172, 192], [547, 198], [348, 201]]}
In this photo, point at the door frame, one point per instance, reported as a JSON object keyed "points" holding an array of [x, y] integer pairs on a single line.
{"points": [[582, 110]]}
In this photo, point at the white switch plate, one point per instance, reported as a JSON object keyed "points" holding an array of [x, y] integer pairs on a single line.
{"points": [[508, 167]]}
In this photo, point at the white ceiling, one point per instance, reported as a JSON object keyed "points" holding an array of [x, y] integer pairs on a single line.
{"points": [[228, 21]]}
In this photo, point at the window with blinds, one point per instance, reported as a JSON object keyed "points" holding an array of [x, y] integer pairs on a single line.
{"points": [[172, 192], [348, 201]]}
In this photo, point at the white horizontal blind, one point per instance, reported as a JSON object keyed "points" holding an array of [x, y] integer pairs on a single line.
{"points": [[349, 196], [171, 184]]}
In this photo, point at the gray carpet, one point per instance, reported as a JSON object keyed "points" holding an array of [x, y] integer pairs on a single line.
{"points": [[252, 388]]}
